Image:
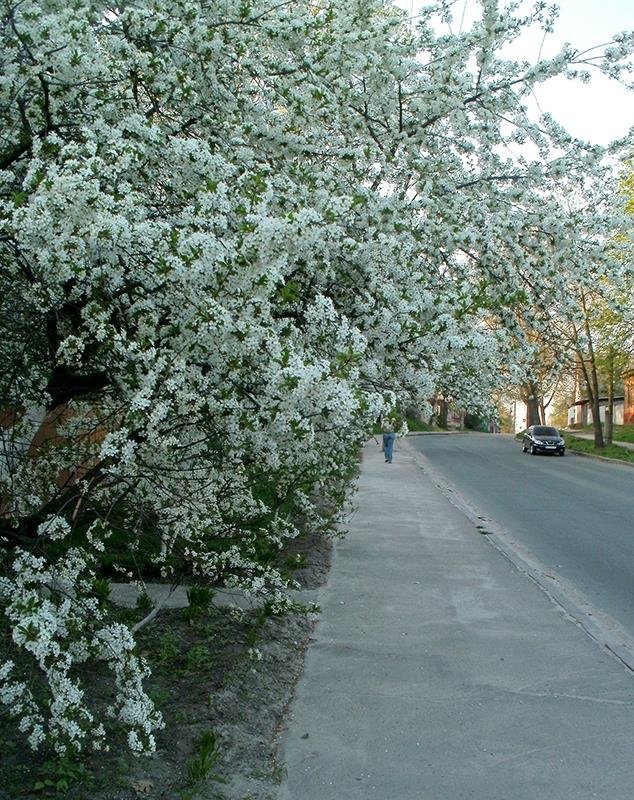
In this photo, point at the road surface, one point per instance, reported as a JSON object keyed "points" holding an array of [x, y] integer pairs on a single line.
{"points": [[575, 515]]}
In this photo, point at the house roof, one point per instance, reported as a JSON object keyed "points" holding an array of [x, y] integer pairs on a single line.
{"points": [[601, 400]]}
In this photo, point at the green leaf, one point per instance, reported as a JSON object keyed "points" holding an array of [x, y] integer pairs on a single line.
{"points": [[19, 198]]}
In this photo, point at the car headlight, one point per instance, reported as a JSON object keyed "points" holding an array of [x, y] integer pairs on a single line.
{"points": [[538, 441]]}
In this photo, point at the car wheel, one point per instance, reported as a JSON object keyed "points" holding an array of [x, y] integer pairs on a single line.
{"points": [[533, 451], [562, 452]]}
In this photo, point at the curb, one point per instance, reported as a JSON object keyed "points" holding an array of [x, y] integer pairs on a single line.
{"points": [[441, 433], [598, 626], [619, 461], [598, 457], [125, 595]]}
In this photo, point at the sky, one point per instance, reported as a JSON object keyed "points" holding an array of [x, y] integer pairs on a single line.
{"points": [[599, 112]]}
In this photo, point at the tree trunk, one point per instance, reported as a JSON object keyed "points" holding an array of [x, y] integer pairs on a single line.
{"points": [[609, 409], [443, 411], [592, 387], [592, 381], [599, 443], [531, 400], [532, 411]]}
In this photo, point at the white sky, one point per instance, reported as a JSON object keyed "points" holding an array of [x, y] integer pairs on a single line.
{"points": [[599, 112]]}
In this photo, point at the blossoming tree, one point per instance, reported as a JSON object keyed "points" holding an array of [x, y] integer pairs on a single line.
{"points": [[231, 235]]}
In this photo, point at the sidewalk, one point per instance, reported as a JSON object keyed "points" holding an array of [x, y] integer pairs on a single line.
{"points": [[590, 437], [439, 672]]}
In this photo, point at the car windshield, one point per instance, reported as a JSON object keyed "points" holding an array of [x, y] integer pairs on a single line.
{"points": [[540, 430]]}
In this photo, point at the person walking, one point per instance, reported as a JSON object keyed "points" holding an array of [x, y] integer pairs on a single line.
{"points": [[389, 437]]}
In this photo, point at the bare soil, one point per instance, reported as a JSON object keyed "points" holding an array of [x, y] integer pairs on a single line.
{"points": [[223, 680]]}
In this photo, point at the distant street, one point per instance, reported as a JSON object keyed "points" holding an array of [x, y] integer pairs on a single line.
{"points": [[575, 514]]}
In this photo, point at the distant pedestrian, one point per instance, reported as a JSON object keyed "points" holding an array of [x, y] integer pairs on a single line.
{"points": [[389, 437]]}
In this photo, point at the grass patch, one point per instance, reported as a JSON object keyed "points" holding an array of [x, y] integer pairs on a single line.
{"points": [[620, 433], [587, 446], [200, 767], [419, 425], [413, 424]]}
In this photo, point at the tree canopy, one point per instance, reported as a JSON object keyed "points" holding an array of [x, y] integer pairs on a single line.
{"points": [[232, 234]]}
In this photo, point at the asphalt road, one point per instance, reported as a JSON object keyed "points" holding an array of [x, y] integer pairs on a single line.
{"points": [[575, 515]]}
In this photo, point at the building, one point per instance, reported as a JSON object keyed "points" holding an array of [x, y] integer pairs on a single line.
{"points": [[580, 413]]}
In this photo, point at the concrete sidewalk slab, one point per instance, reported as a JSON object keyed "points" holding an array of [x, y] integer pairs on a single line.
{"points": [[439, 672]]}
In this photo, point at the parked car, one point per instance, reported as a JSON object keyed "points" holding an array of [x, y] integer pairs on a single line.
{"points": [[543, 439]]}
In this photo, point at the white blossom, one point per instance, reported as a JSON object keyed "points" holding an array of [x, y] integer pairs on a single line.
{"points": [[233, 235]]}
